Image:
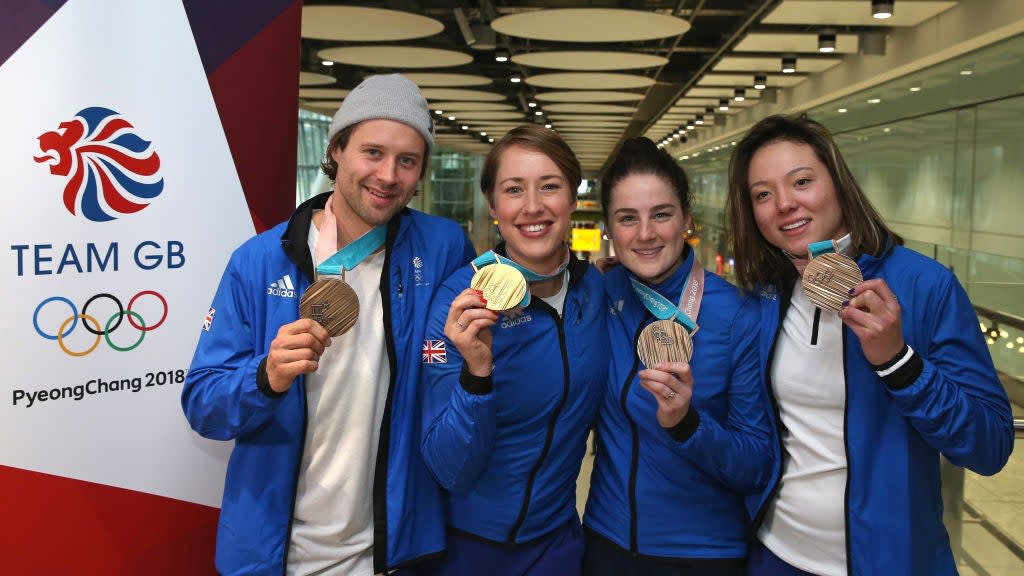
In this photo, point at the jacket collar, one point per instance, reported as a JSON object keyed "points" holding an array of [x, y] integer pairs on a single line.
{"points": [[577, 268], [871, 265], [294, 240]]}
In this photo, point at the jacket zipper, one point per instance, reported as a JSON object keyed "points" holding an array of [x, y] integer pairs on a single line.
{"points": [[551, 425], [814, 327], [298, 465], [755, 522], [634, 462], [380, 473], [846, 449]]}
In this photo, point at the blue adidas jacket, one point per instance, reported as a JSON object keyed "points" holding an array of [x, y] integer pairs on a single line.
{"points": [[223, 401], [509, 457], [679, 493], [956, 407]]}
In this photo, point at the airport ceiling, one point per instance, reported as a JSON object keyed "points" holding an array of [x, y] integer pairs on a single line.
{"points": [[597, 71]]}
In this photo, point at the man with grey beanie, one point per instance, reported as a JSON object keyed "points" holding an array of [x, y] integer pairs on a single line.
{"points": [[310, 360]]}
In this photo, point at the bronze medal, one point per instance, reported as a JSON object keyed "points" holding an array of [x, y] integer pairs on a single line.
{"points": [[664, 341], [332, 303], [828, 279], [502, 285]]}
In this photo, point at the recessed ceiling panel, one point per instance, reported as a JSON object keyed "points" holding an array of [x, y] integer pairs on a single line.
{"points": [[457, 94], [358, 24], [395, 56], [796, 43], [578, 124], [496, 115], [590, 25], [425, 79], [590, 96], [717, 93], [323, 106], [314, 79], [584, 60], [590, 80], [323, 92], [589, 118], [766, 64], [589, 108], [852, 13], [747, 80], [469, 106]]}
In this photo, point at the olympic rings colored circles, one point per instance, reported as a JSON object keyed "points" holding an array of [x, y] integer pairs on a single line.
{"points": [[93, 299], [70, 323], [74, 318], [142, 331], [60, 338], [143, 327]]}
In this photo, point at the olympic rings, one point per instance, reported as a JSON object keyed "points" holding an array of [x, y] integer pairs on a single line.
{"points": [[92, 325]]}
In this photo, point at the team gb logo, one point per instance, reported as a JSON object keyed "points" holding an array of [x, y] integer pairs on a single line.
{"points": [[112, 171]]}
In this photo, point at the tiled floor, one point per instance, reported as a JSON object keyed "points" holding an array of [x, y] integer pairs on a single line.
{"points": [[999, 522]]}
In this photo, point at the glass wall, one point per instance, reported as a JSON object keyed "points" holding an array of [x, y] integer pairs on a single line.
{"points": [[309, 181]]}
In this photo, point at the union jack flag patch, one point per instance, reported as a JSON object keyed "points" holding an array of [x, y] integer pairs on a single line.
{"points": [[208, 321], [434, 352]]}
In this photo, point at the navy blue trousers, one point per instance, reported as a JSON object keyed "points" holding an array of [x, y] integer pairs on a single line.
{"points": [[605, 558], [559, 553]]}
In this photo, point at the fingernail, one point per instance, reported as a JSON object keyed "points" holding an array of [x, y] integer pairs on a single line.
{"points": [[851, 291], [845, 303], [482, 300]]}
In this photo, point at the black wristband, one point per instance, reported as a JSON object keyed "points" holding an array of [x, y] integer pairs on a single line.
{"points": [[263, 381], [892, 362], [477, 385], [906, 374], [687, 426]]}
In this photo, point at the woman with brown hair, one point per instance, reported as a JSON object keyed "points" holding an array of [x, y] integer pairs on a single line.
{"points": [[508, 406], [872, 358], [683, 440]]}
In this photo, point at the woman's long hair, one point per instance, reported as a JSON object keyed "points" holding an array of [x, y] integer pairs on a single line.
{"points": [[758, 261]]}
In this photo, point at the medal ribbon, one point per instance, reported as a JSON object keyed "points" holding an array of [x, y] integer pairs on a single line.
{"points": [[351, 255], [841, 246], [689, 301], [489, 257]]}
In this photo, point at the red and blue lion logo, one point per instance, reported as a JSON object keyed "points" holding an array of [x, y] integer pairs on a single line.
{"points": [[113, 171]]}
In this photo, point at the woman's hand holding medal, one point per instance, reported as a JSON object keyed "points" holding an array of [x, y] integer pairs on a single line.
{"points": [[873, 314], [469, 328], [295, 350], [671, 383]]}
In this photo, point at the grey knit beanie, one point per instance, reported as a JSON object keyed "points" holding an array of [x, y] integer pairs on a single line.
{"points": [[390, 97]]}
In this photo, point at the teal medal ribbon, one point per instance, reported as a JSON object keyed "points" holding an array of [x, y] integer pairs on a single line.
{"points": [[490, 257], [818, 248], [689, 300], [355, 252]]}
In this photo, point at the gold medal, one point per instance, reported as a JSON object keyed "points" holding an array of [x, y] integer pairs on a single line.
{"points": [[828, 279], [332, 303], [502, 285], [664, 341]]}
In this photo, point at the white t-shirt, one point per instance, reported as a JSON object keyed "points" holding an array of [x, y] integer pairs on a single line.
{"points": [[557, 301], [806, 523], [332, 532]]}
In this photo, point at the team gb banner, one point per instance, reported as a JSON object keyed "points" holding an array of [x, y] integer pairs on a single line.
{"points": [[124, 200]]}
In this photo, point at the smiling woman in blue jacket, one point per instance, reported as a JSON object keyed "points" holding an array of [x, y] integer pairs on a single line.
{"points": [[508, 407], [679, 444], [867, 398]]}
